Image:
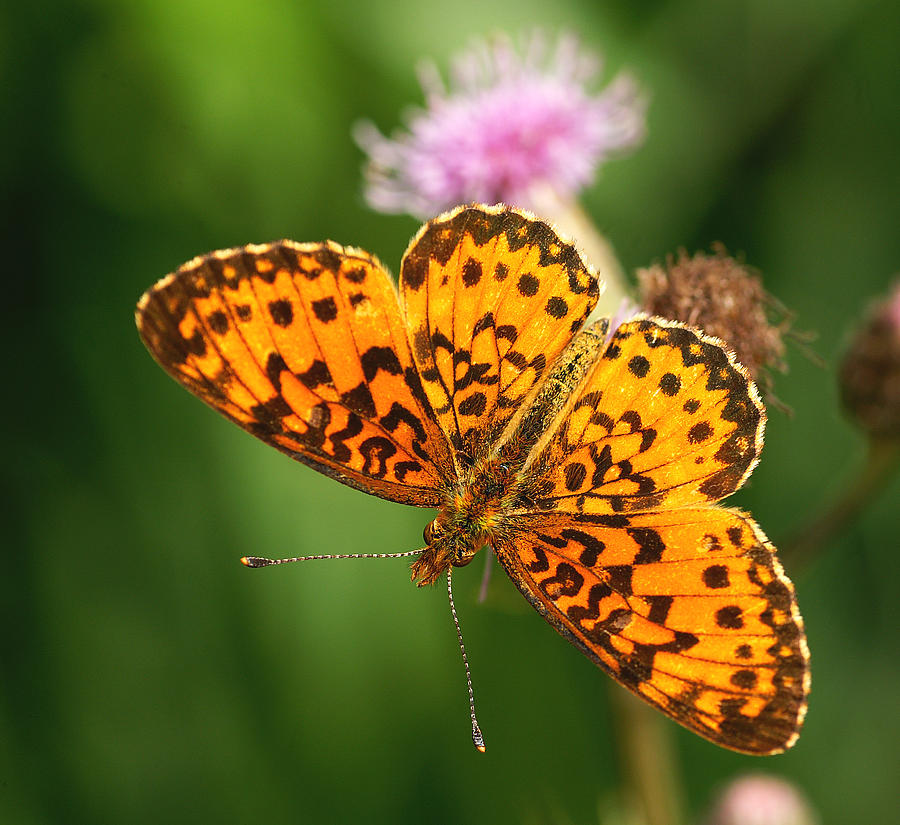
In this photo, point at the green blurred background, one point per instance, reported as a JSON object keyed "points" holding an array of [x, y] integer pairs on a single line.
{"points": [[146, 675]]}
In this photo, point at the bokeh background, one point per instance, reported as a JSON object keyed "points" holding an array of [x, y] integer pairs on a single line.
{"points": [[146, 675]]}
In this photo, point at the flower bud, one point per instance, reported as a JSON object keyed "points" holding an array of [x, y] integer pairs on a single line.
{"points": [[870, 370]]}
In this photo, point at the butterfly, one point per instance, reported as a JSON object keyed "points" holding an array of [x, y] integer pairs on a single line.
{"points": [[591, 461]]}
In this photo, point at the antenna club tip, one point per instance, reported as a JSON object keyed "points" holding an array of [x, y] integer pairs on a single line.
{"points": [[478, 739], [254, 561]]}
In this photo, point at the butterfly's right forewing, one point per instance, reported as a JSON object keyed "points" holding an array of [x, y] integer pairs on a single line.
{"points": [[303, 346]]}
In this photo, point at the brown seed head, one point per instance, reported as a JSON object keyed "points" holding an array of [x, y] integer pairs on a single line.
{"points": [[725, 298]]}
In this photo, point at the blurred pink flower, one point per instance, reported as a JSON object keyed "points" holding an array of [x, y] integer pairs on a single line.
{"points": [[757, 799], [510, 120]]}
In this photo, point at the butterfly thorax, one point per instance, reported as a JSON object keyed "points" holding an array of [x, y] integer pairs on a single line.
{"points": [[476, 510]]}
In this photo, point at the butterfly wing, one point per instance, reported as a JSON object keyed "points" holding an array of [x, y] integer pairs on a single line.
{"points": [[303, 346], [491, 297], [665, 418], [619, 545], [687, 608]]}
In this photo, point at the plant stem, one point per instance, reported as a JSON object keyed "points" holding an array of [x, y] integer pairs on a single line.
{"points": [[651, 790], [651, 787], [882, 460]]}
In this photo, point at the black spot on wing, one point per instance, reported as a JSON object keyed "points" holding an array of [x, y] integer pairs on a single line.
{"points": [[620, 578], [744, 679], [196, 344], [325, 309], [316, 375], [528, 285], [735, 536], [376, 451], [592, 547], [556, 307], [650, 544], [639, 366], [218, 322], [471, 274], [414, 271], [360, 400], [355, 275], [328, 258], [670, 384], [380, 358], [397, 414], [566, 582], [282, 312], [699, 432], [730, 617], [659, 608], [716, 576], [274, 367], [575, 474], [475, 404]]}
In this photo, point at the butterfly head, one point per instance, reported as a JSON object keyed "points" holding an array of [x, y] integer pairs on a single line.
{"points": [[446, 547], [471, 517]]}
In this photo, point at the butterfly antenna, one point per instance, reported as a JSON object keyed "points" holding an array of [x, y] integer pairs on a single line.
{"points": [[256, 561], [477, 738]]}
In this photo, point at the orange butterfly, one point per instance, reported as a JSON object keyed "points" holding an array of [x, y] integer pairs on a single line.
{"points": [[591, 464]]}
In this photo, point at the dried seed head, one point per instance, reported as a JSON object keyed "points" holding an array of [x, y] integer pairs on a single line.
{"points": [[725, 298]]}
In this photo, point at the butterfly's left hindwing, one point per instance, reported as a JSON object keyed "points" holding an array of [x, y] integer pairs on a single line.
{"points": [[665, 418]]}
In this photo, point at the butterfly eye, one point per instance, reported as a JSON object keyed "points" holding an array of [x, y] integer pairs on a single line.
{"points": [[429, 532]]}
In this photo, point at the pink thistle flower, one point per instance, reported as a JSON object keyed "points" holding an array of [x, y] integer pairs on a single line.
{"points": [[509, 121]]}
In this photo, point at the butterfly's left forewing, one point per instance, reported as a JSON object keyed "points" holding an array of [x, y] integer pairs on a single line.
{"points": [[689, 609]]}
